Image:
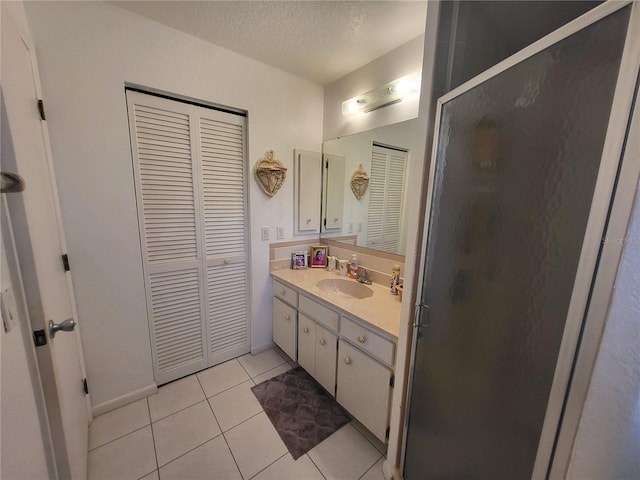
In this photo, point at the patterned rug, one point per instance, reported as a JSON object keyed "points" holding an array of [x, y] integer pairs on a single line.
{"points": [[302, 412]]}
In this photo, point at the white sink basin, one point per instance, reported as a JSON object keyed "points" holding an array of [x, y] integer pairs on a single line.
{"points": [[347, 288]]}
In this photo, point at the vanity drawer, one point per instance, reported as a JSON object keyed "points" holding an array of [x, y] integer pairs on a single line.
{"points": [[319, 313], [285, 293], [367, 340]]}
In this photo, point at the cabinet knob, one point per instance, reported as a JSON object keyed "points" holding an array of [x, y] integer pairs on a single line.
{"points": [[322, 341], [361, 339], [347, 360], [282, 292], [308, 220], [306, 329], [287, 318], [335, 219]]}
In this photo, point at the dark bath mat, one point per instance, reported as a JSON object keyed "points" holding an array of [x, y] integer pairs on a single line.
{"points": [[302, 412]]}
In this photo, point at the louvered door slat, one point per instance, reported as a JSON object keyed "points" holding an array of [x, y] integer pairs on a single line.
{"points": [[228, 308], [176, 314]]}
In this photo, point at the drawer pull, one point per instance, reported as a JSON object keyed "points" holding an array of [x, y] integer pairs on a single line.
{"points": [[287, 318], [306, 329], [347, 360], [322, 341], [282, 292], [361, 339]]}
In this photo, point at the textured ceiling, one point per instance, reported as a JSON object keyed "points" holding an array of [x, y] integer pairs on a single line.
{"points": [[318, 40]]}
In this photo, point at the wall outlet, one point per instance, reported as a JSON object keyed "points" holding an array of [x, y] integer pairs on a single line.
{"points": [[264, 233], [280, 232]]}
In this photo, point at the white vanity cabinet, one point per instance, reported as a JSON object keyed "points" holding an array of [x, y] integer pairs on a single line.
{"points": [[350, 358], [364, 388], [318, 342], [317, 349], [284, 311]]}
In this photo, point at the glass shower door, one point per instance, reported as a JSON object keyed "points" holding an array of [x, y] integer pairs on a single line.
{"points": [[517, 158]]}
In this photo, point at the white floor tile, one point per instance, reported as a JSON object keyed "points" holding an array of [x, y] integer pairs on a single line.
{"points": [[235, 405], [255, 444], [118, 423], [183, 431], [286, 468], [175, 396], [375, 472], [345, 455], [262, 362], [211, 460], [222, 377], [272, 373], [129, 457]]}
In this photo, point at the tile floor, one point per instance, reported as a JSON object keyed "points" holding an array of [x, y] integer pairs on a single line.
{"points": [[210, 425]]}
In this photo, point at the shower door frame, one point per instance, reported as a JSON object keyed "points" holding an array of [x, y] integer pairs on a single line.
{"points": [[611, 205]]}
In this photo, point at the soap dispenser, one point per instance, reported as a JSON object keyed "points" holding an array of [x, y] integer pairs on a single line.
{"points": [[353, 266]]}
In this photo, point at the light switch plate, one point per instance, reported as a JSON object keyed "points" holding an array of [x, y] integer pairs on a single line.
{"points": [[264, 233], [9, 315], [280, 232]]}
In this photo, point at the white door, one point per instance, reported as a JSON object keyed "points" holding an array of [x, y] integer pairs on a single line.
{"points": [[39, 241]]}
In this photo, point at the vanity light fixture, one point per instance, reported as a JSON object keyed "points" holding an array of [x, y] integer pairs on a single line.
{"points": [[387, 94]]}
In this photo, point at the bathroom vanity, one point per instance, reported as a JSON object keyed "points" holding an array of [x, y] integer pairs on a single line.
{"points": [[342, 333]]}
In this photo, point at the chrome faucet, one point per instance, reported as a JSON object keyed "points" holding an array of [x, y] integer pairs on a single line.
{"points": [[362, 276]]}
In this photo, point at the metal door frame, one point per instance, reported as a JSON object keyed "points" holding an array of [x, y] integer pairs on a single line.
{"points": [[597, 266]]}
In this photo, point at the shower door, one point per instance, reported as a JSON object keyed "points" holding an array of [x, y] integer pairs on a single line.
{"points": [[519, 155]]}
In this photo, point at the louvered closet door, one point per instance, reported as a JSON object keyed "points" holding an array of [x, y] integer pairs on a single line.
{"points": [[194, 256], [386, 198], [225, 244]]}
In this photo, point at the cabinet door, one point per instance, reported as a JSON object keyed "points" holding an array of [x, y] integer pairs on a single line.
{"points": [[326, 350], [284, 327], [306, 344], [363, 388]]}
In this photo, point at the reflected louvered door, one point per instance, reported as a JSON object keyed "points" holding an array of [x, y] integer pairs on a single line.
{"points": [[386, 198], [225, 243], [183, 214]]}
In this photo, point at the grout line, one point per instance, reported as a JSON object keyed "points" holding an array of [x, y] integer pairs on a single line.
{"points": [[211, 408], [316, 465], [258, 473], [178, 411], [120, 437], [189, 451], [153, 437], [371, 468]]}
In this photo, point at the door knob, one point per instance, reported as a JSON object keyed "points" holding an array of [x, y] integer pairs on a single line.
{"points": [[67, 325]]}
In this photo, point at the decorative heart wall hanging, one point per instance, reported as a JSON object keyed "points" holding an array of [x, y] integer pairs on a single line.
{"points": [[270, 174], [359, 182]]}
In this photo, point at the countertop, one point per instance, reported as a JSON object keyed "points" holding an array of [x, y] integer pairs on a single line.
{"points": [[381, 310]]}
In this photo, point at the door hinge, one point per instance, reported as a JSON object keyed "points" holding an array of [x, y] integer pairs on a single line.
{"points": [[85, 386], [39, 338], [387, 432], [324, 222], [41, 109], [392, 381], [326, 164], [65, 262]]}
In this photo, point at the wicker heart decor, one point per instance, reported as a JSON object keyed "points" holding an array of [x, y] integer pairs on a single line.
{"points": [[270, 174]]}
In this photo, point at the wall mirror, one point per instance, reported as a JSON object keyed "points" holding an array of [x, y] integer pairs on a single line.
{"points": [[376, 220]]}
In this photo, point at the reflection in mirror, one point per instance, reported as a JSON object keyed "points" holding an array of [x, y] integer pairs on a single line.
{"points": [[376, 220]]}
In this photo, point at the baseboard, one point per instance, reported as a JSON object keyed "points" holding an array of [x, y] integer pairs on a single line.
{"points": [[126, 399], [262, 348]]}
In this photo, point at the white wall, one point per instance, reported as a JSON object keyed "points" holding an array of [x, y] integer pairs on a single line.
{"points": [[404, 60], [86, 52], [607, 445]]}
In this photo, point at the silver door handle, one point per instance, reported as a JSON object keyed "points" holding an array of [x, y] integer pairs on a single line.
{"points": [[67, 325]]}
